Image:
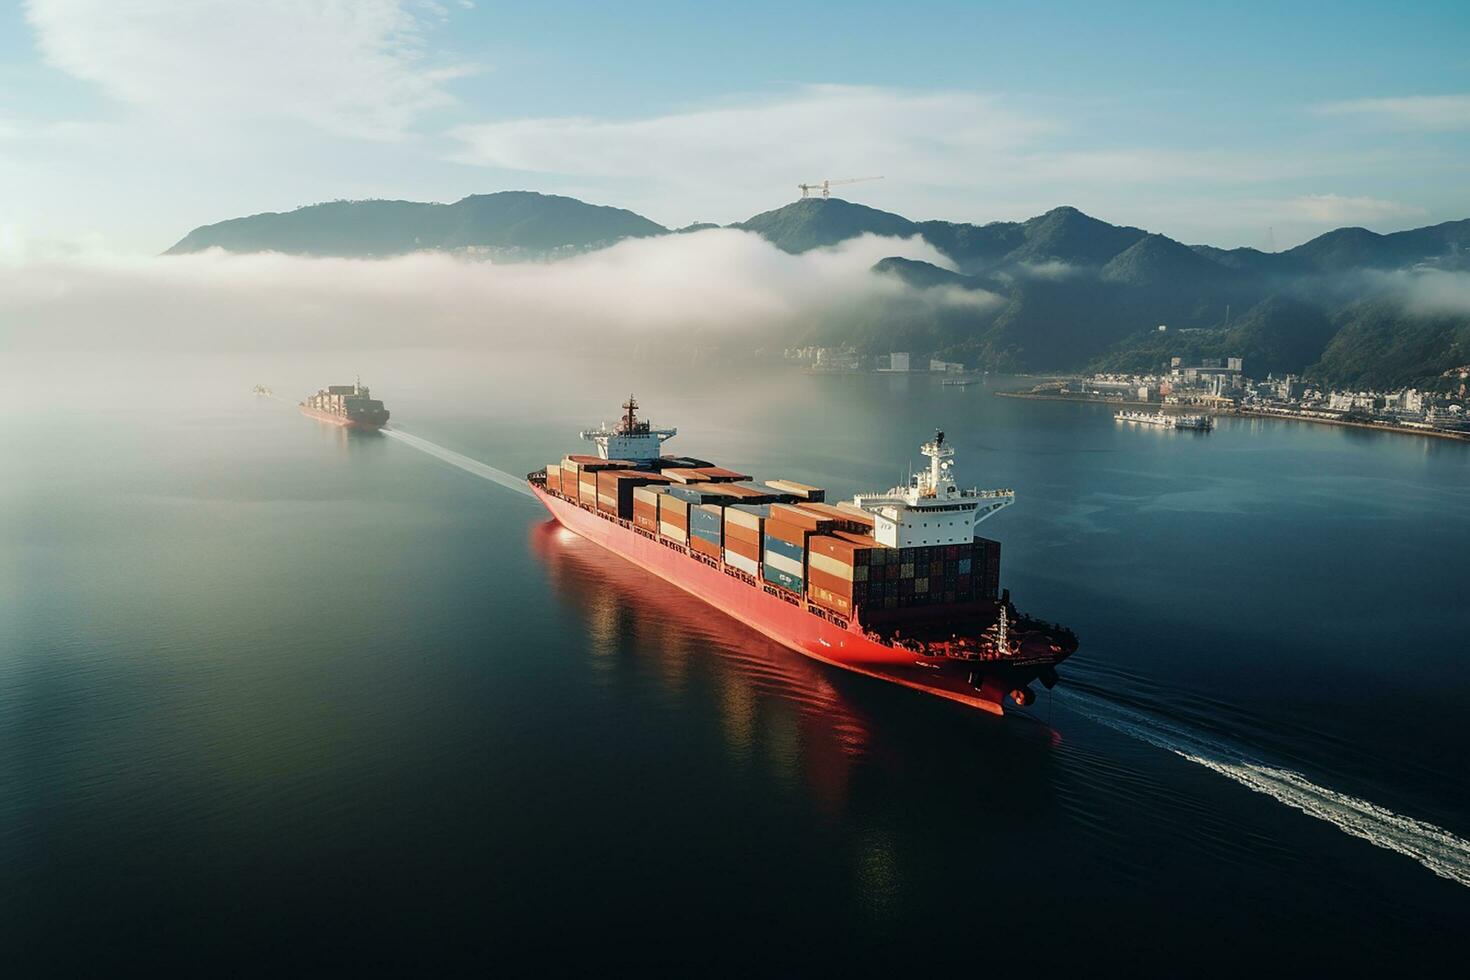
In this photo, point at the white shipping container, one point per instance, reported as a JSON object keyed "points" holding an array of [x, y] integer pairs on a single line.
{"points": [[782, 563], [670, 531], [746, 565], [830, 565], [744, 519]]}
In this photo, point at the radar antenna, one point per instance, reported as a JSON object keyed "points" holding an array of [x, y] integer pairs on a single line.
{"points": [[630, 417]]}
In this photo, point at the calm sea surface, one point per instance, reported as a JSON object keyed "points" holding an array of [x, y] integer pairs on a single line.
{"points": [[276, 696]]}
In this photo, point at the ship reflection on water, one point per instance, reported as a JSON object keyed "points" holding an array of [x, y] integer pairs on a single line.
{"points": [[775, 705], [805, 723]]}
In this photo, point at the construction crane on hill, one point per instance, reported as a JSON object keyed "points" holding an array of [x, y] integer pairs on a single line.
{"points": [[826, 186]]}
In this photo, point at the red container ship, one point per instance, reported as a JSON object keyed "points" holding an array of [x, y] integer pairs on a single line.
{"points": [[893, 584], [351, 406]]}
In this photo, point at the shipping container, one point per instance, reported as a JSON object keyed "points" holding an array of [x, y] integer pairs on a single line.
{"points": [[595, 463], [735, 559], [678, 462], [615, 490], [843, 520], [587, 487], [739, 546], [553, 477], [750, 516], [792, 566], [795, 552], [704, 474], [700, 493], [802, 490], [816, 575], [707, 521], [827, 599], [776, 576], [673, 532]]}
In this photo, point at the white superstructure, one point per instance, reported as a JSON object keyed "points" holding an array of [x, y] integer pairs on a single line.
{"points": [[931, 509], [631, 439]]}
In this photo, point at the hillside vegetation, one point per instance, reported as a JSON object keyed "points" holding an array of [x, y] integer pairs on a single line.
{"points": [[1060, 291]]}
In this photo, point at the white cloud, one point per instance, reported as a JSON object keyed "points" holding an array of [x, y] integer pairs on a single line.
{"points": [[1435, 291], [1429, 112], [726, 159], [356, 68], [719, 279], [951, 154], [1335, 209]]}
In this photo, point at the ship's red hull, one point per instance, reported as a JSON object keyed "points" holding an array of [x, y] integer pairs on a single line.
{"points": [[341, 420], [789, 621]]}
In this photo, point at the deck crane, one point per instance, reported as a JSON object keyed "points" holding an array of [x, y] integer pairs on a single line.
{"points": [[826, 186]]}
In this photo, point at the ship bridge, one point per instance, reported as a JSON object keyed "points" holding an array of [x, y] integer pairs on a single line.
{"points": [[931, 509], [632, 438]]}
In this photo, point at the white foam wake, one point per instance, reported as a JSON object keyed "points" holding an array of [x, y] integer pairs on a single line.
{"points": [[1434, 847], [463, 462]]}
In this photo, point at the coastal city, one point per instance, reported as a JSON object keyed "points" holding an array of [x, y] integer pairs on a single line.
{"points": [[1218, 386]]}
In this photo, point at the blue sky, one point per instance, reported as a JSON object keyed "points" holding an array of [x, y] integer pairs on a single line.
{"points": [[124, 123]]}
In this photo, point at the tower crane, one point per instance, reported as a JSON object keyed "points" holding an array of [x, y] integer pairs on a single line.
{"points": [[826, 186]]}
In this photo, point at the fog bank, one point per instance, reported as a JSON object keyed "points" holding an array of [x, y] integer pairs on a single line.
{"points": [[718, 281]]}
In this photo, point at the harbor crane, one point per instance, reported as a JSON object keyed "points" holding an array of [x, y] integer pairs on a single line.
{"points": [[826, 186]]}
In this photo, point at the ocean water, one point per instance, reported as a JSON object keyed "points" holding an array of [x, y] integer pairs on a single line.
{"points": [[274, 696]]}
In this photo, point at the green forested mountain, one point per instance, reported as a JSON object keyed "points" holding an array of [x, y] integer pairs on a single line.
{"points": [[510, 221], [1059, 291]]}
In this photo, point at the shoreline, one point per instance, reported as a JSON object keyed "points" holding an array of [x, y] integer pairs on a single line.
{"points": [[1244, 413]]}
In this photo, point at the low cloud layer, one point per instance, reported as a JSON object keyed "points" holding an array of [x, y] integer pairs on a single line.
{"points": [[1435, 292], [718, 280]]}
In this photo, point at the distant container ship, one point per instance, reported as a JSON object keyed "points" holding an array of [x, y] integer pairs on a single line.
{"points": [[894, 584], [351, 406], [1203, 422]]}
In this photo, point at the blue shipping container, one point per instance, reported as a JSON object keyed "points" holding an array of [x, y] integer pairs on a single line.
{"points": [[702, 520], [785, 548], [784, 579]]}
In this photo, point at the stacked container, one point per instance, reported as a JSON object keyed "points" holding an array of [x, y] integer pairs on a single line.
{"points": [[673, 516], [986, 568], [706, 529], [854, 520], [553, 477], [703, 493], [615, 490], [837, 570], [801, 490], [783, 558], [587, 487], [703, 474], [579, 476], [645, 506], [678, 462], [744, 531], [901, 578]]}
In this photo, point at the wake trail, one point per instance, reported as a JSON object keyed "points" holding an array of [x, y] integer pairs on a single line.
{"points": [[463, 462], [1434, 847]]}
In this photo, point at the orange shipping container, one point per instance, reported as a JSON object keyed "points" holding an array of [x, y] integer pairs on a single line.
{"points": [[734, 532], [828, 599], [745, 549], [833, 583]]}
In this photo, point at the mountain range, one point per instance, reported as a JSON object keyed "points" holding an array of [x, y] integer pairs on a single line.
{"points": [[1060, 291]]}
